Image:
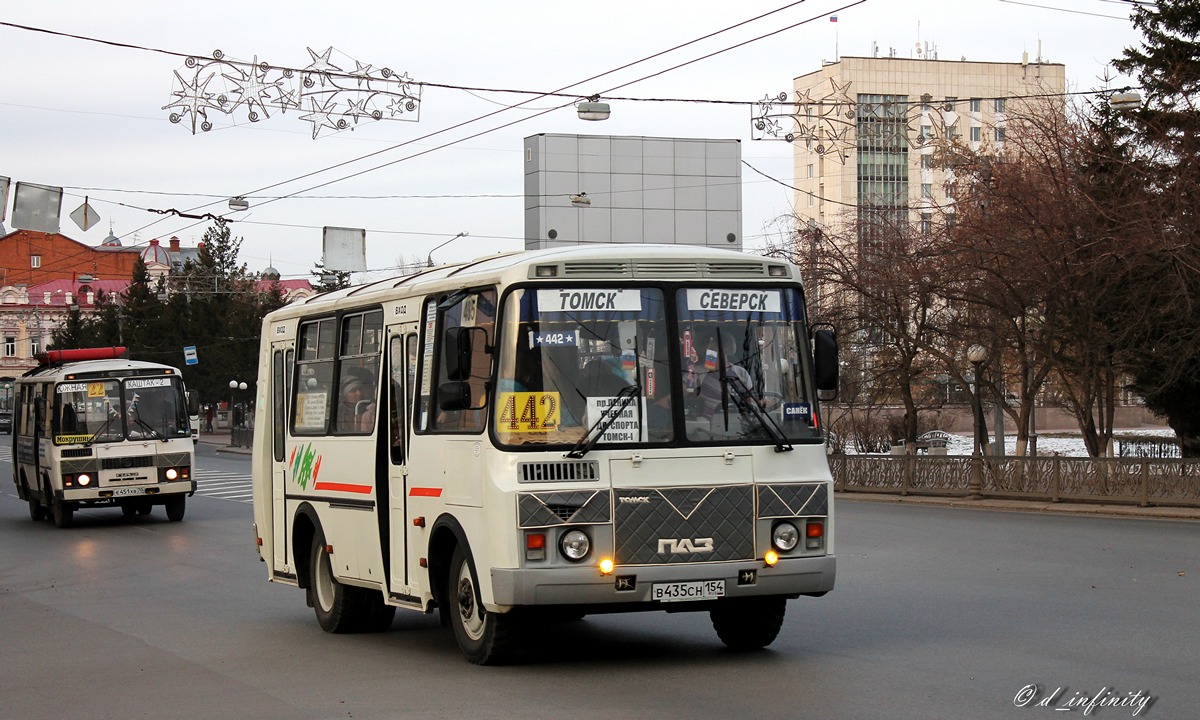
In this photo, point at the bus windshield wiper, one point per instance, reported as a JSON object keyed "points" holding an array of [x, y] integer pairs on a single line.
{"points": [[137, 418], [768, 423], [605, 421], [101, 431]]}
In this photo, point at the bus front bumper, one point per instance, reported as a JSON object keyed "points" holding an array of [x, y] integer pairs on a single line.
{"points": [[633, 585], [131, 492]]}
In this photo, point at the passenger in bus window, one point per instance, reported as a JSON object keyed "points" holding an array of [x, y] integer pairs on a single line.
{"points": [[356, 410]]}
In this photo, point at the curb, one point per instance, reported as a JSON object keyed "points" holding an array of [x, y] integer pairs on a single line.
{"points": [[1032, 506]]}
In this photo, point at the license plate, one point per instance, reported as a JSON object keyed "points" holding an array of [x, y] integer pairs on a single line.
{"points": [[681, 591], [119, 492]]}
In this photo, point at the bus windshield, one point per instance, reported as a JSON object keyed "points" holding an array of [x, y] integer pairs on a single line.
{"points": [[114, 410], [702, 365]]}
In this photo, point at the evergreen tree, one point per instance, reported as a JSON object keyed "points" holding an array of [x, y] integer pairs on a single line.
{"points": [[1164, 352], [329, 280]]}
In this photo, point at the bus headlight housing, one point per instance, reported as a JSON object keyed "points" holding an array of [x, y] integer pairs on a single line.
{"points": [[574, 545], [785, 537], [172, 473]]}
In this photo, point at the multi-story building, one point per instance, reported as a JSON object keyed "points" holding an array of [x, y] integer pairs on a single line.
{"points": [[868, 132], [43, 276]]}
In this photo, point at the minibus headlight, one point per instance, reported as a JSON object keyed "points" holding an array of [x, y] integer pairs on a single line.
{"points": [[172, 474], [785, 537], [83, 479], [574, 545]]}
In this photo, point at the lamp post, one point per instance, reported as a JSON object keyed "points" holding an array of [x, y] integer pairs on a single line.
{"points": [[977, 354], [234, 386], [429, 257]]}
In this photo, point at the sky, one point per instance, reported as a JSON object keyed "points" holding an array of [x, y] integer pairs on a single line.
{"points": [[89, 116]]}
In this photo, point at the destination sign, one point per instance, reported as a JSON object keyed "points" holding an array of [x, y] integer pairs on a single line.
{"points": [[734, 300], [589, 300]]}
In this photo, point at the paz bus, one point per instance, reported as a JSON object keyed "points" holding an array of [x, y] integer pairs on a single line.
{"points": [[93, 429], [545, 435]]}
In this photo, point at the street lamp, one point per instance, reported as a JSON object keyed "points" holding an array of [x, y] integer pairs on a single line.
{"points": [[429, 257], [977, 354], [234, 385]]}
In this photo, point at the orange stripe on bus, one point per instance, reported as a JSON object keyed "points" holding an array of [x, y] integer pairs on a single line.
{"points": [[343, 487], [424, 492]]}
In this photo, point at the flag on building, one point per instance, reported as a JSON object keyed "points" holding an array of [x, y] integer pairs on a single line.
{"points": [[833, 18]]}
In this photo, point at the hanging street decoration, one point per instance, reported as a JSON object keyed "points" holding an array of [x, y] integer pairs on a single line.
{"points": [[328, 95], [835, 124]]}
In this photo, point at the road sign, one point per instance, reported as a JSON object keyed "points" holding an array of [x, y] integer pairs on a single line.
{"points": [[85, 216], [189, 355]]}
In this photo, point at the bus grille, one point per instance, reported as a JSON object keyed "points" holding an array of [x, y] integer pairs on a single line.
{"points": [[572, 471], [546, 509], [683, 525], [125, 463]]}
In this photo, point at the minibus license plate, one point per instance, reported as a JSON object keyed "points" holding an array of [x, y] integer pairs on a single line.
{"points": [[680, 591], [118, 492]]}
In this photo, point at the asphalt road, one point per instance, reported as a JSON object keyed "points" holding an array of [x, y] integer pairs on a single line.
{"points": [[938, 613]]}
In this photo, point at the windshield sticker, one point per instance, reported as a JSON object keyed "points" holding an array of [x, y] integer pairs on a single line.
{"points": [[72, 439], [147, 383], [734, 300], [583, 300], [626, 428], [528, 412], [554, 339], [797, 411]]}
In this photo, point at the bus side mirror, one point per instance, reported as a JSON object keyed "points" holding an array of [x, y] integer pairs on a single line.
{"points": [[454, 395], [456, 353], [825, 360], [193, 402]]}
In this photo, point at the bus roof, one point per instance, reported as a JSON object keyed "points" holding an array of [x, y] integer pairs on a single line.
{"points": [[52, 372], [600, 261]]}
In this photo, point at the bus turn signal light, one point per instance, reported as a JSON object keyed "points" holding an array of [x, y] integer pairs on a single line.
{"points": [[771, 558]]}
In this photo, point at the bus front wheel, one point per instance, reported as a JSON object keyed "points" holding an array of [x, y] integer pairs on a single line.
{"points": [[748, 623], [63, 513], [176, 506], [333, 601], [485, 638]]}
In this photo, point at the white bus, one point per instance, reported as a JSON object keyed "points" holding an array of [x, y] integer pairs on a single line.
{"points": [[92, 429], [549, 434]]}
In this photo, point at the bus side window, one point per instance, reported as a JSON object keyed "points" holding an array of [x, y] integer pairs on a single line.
{"points": [[476, 313]]}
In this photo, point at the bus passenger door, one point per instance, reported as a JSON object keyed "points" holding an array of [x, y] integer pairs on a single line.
{"points": [[282, 359], [402, 358]]}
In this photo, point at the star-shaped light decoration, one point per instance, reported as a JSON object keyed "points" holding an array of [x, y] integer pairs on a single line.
{"points": [[252, 88], [362, 73], [321, 65], [193, 99], [320, 117], [357, 109]]}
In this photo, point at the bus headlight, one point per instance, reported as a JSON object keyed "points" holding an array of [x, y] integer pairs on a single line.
{"points": [[574, 545], [172, 474], [785, 537], [83, 479]]}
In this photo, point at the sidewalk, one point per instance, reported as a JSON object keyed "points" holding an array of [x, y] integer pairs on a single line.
{"points": [[220, 439]]}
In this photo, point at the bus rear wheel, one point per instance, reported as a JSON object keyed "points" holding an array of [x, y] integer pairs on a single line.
{"points": [[748, 623], [37, 513], [485, 638]]}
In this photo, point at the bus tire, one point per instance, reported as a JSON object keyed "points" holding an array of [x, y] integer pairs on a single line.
{"points": [[63, 513], [37, 513], [128, 510], [485, 638], [337, 606], [176, 507], [144, 508], [377, 615], [748, 623]]}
